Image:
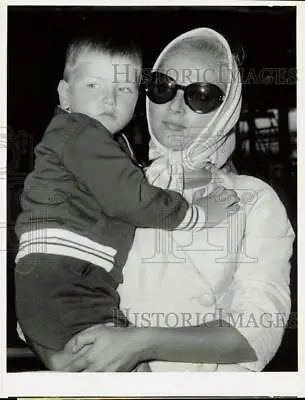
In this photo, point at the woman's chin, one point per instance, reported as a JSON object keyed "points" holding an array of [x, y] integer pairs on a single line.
{"points": [[179, 148], [174, 143]]}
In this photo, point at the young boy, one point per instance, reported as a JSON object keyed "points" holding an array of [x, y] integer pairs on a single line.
{"points": [[83, 201]]}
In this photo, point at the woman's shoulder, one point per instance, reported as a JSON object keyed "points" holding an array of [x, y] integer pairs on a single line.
{"points": [[248, 182], [255, 190], [261, 200]]}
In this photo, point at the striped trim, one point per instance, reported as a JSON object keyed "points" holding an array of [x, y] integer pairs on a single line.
{"points": [[66, 243], [194, 215], [187, 219], [200, 218]]}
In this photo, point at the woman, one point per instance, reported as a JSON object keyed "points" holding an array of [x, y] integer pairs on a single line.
{"points": [[239, 273], [211, 300]]}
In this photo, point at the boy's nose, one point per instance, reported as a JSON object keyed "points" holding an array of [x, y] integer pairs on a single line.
{"points": [[177, 104], [108, 98]]}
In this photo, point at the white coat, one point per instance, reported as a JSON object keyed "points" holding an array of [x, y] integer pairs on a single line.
{"points": [[237, 271]]}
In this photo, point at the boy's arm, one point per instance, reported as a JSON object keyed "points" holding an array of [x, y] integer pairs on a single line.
{"points": [[120, 187]]}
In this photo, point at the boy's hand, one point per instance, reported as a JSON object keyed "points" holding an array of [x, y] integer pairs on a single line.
{"points": [[218, 205]]}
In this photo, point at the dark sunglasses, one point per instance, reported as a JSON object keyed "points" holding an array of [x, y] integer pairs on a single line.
{"points": [[202, 98]]}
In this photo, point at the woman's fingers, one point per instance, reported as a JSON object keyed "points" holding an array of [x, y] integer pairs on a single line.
{"points": [[92, 368], [88, 336], [79, 364], [83, 338]]}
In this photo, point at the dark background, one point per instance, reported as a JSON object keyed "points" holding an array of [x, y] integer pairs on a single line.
{"points": [[37, 40]]}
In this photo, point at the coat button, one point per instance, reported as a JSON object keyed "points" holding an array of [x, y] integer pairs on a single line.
{"points": [[206, 300]]}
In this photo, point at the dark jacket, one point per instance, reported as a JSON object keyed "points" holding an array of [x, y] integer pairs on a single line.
{"points": [[86, 194]]}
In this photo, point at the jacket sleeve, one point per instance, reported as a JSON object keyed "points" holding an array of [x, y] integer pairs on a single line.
{"points": [[121, 188], [260, 302]]}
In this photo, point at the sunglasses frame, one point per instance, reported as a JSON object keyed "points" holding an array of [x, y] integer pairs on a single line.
{"points": [[187, 99]]}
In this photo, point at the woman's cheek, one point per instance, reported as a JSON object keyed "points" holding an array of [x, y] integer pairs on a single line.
{"points": [[157, 130], [201, 120]]}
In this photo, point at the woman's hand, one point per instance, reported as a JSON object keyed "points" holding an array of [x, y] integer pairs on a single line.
{"points": [[112, 349], [124, 349]]}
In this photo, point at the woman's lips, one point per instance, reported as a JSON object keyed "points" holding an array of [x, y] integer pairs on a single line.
{"points": [[172, 126]]}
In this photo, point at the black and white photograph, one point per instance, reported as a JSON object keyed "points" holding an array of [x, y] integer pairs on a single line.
{"points": [[152, 193]]}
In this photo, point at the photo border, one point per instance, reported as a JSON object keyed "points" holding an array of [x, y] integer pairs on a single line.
{"points": [[158, 384]]}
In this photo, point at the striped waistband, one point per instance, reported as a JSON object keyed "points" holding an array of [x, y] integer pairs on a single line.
{"points": [[66, 243]]}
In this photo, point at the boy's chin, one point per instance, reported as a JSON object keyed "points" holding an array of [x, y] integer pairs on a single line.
{"points": [[111, 127]]}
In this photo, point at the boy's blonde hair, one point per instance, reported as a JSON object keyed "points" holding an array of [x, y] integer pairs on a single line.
{"points": [[85, 45]]}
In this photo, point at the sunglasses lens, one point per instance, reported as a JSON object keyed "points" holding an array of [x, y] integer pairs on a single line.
{"points": [[203, 98], [160, 88]]}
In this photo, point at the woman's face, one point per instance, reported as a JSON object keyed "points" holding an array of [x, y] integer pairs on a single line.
{"points": [[174, 124]]}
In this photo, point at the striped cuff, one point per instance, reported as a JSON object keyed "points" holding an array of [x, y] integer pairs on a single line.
{"points": [[194, 218], [66, 243]]}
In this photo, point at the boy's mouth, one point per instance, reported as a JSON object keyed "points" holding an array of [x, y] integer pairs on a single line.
{"points": [[108, 115]]}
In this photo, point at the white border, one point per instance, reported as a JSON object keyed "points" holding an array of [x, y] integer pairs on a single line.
{"points": [[215, 3], [301, 185], [3, 146], [155, 384], [170, 384]]}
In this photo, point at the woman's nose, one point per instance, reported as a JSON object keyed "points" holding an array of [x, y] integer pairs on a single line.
{"points": [[177, 104]]}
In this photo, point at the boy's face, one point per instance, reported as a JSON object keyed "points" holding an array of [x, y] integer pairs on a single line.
{"points": [[105, 88]]}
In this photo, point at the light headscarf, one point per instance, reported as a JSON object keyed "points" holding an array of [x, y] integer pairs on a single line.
{"points": [[215, 142]]}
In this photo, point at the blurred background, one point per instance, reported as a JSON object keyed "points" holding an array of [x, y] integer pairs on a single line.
{"points": [[264, 37]]}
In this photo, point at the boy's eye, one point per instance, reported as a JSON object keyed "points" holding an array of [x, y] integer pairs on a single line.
{"points": [[125, 89], [92, 85]]}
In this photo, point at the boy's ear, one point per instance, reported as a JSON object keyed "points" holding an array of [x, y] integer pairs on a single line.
{"points": [[63, 93]]}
